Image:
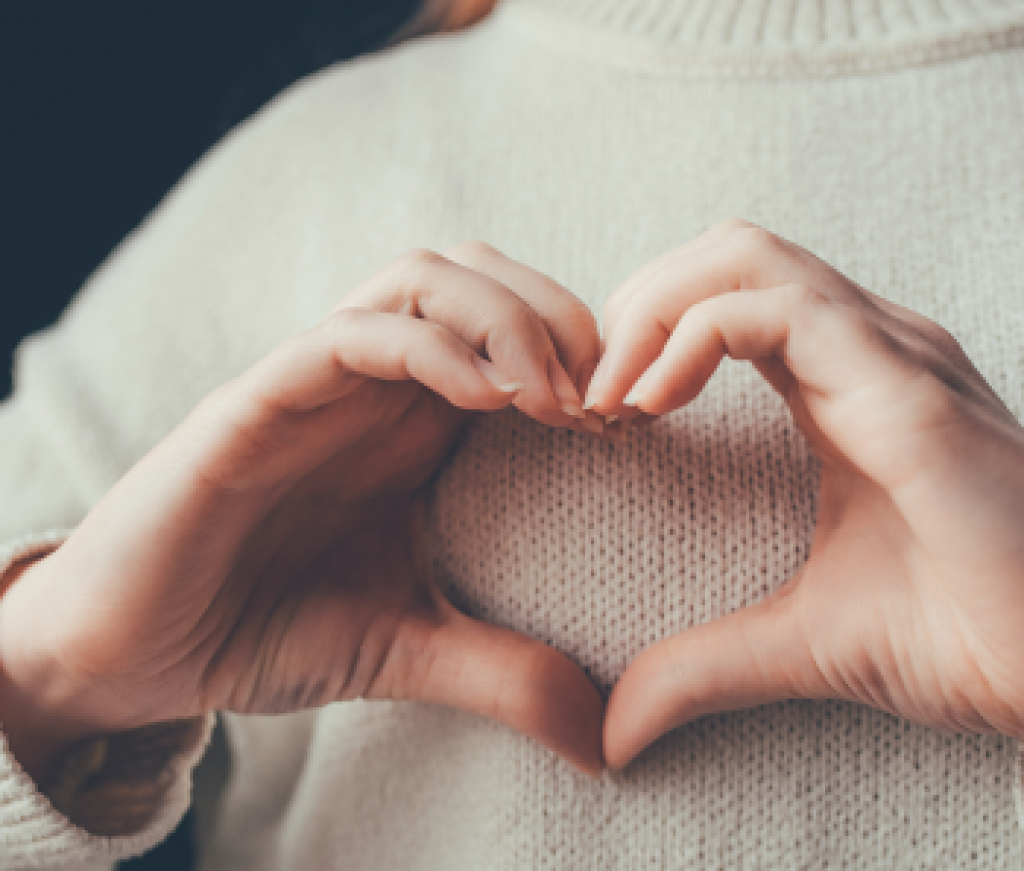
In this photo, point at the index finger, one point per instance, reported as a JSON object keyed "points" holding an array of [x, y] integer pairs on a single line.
{"points": [[487, 315], [741, 258], [570, 324]]}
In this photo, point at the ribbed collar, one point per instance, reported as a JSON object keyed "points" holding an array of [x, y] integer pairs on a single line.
{"points": [[833, 34]]}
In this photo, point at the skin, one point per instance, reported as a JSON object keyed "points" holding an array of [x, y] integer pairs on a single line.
{"points": [[314, 587], [912, 598], [880, 549]]}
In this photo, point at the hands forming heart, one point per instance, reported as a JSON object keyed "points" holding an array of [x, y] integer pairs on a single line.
{"points": [[266, 556]]}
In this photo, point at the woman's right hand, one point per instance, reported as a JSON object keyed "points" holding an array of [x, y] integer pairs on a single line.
{"points": [[267, 556]]}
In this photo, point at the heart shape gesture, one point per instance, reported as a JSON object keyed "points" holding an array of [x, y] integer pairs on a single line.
{"points": [[265, 557], [912, 597]]}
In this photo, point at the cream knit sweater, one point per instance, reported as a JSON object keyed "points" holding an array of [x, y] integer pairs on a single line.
{"points": [[583, 137]]}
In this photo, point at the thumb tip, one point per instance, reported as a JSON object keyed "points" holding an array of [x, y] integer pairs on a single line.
{"points": [[593, 766], [628, 724], [621, 743], [581, 741]]}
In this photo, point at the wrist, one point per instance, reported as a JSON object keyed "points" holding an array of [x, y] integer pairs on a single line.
{"points": [[38, 732]]}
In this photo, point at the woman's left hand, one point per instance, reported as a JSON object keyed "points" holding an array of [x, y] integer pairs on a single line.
{"points": [[912, 598]]}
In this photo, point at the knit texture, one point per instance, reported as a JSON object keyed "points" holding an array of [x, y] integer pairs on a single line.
{"points": [[750, 26], [584, 138], [772, 37]]}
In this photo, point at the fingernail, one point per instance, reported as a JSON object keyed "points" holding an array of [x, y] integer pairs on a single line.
{"points": [[564, 392], [592, 389], [634, 395], [592, 423], [585, 377], [494, 376], [611, 418]]}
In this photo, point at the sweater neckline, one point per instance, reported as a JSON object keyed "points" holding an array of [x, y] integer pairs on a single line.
{"points": [[774, 36]]}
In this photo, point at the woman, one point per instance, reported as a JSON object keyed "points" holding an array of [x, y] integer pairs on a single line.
{"points": [[265, 524]]}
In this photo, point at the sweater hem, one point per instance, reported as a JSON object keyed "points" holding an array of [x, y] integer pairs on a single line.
{"points": [[1018, 796]]}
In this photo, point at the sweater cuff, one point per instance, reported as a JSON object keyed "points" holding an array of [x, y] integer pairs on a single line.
{"points": [[113, 797], [1018, 791]]}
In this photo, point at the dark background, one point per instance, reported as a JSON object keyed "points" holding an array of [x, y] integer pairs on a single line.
{"points": [[104, 104]]}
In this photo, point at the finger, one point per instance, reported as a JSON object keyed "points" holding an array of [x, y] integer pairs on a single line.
{"points": [[855, 392], [671, 260], [737, 259], [505, 676], [328, 362], [282, 417], [829, 349], [751, 657], [637, 332], [449, 658], [483, 312], [644, 336], [569, 322]]}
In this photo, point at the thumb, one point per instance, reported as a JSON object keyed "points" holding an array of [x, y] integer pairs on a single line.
{"points": [[457, 661], [751, 657], [500, 674]]}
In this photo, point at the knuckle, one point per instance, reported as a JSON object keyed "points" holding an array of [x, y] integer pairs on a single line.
{"points": [[940, 336], [417, 257], [755, 242], [732, 225], [342, 321], [579, 317], [810, 310], [414, 266], [704, 312], [437, 335], [472, 252], [805, 296], [398, 286], [521, 319]]}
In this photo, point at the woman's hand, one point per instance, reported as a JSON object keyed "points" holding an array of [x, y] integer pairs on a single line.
{"points": [[912, 598], [266, 556]]}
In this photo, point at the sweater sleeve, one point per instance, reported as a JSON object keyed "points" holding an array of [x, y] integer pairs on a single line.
{"points": [[1018, 788]]}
